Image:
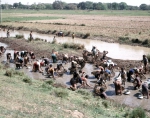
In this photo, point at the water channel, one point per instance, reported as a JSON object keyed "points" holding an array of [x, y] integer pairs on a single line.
{"points": [[116, 51]]}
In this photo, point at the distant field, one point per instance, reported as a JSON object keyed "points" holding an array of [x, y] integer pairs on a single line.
{"points": [[112, 24], [84, 12]]}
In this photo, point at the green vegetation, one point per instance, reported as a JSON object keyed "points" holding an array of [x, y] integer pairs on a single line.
{"points": [[19, 36], [73, 45], [31, 18], [126, 40], [42, 99], [86, 35], [137, 113], [73, 12], [82, 5]]}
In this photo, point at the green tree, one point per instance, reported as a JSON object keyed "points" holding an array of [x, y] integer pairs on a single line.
{"points": [[109, 5], [33, 6], [132, 7], [115, 6], [99, 6], [122, 6], [41, 6], [71, 6], [48, 6], [143, 7], [81, 5], [15, 5], [6, 6], [88, 5], [58, 5]]}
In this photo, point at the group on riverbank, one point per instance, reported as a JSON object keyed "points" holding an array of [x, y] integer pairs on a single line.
{"points": [[105, 69]]}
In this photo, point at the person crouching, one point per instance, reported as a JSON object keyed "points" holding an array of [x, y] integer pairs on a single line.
{"points": [[37, 66]]}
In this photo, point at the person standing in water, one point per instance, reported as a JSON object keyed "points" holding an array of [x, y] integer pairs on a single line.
{"points": [[31, 37], [8, 33]]}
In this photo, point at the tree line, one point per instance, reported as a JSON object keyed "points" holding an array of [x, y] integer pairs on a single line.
{"points": [[88, 5]]}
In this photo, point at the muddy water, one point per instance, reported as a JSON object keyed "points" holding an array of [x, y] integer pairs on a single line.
{"points": [[115, 50], [130, 100]]}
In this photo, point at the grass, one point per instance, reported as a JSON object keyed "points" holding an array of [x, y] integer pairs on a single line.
{"points": [[73, 45], [83, 12], [137, 113], [18, 19], [19, 36]]}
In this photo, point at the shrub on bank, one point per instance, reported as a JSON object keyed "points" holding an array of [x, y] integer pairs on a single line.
{"points": [[145, 42], [123, 38], [61, 93], [137, 113], [27, 80], [82, 25], [54, 31], [19, 36], [37, 39], [73, 45], [136, 41], [68, 33], [9, 73], [86, 35]]}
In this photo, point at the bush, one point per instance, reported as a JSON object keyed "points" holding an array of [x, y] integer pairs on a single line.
{"points": [[48, 31], [27, 80], [54, 31], [136, 41], [137, 113], [86, 35], [50, 82], [61, 93], [9, 73], [68, 33], [73, 45], [105, 103], [57, 23], [21, 27], [145, 42], [15, 72], [82, 25], [19, 36], [66, 45], [83, 92], [37, 39], [123, 38]]}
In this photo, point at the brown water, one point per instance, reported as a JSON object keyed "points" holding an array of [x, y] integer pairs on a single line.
{"points": [[115, 50]]}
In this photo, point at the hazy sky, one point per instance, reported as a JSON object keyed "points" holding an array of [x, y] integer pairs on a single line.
{"points": [[129, 2]]}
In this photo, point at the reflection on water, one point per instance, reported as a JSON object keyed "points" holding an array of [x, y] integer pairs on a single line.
{"points": [[115, 50]]}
